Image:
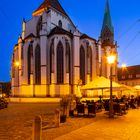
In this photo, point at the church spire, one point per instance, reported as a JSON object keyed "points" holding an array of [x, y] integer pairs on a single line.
{"points": [[107, 32], [107, 22]]}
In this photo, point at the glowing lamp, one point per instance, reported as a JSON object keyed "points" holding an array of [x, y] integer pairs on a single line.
{"points": [[123, 65], [111, 59], [17, 64]]}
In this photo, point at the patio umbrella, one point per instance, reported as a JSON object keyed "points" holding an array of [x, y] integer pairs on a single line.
{"points": [[100, 83], [124, 90], [137, 88]]}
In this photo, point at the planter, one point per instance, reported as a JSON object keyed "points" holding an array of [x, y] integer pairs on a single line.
{"points": [[71, 113], [63, 119]]}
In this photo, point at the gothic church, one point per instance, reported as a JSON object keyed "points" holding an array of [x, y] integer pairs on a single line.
{"points": [[53, 55]]}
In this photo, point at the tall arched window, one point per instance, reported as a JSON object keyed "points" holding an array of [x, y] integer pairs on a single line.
{"points": [[13, 66], [51, 58], [60, 64], [37, 65], [89, 61], [30, 58], [22, 57], [82, 64], [39, 26], [68, 60]]}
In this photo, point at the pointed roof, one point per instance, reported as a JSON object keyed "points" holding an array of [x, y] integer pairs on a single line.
{"points": [[47, 4], [107, 19]]}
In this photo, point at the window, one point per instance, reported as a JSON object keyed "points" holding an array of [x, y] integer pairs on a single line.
{"points": [[82, 64], [137, 75], [67, 57], [51, 58], [30, 57], [89, 61], [13, 66], [68, 60], [60, 61], [60, 23], [37, 65], [39, 26], [130, 76], [22, 57], [22, 52], [123, 77]]}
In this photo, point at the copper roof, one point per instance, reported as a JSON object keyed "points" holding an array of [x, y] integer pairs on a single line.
{"points": [[47, 4]]}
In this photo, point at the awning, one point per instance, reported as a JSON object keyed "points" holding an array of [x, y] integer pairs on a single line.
{"points": [[100, 83]]}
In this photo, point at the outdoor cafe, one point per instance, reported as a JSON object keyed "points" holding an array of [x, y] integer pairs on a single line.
{"points": [[124, 97]]}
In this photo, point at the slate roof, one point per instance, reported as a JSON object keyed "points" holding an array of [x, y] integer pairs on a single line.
{"points": [[86, 36], [29, 36], [51, 3], [58, 30]]}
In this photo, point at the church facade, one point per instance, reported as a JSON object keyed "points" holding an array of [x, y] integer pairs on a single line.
{"points": [[52, 57]]}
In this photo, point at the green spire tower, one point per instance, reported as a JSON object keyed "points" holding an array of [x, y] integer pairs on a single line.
{"points": [[107, 32]]}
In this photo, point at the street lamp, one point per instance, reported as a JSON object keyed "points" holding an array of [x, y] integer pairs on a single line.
{"points": [[111, 59], [17, 64], [123, 66]]}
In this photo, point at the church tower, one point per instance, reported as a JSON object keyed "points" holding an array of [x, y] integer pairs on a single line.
{"points": [[107, 32], [107, 40]]}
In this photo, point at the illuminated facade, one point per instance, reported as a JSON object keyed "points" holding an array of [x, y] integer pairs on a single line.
{"points": [[53, 55], [129, 75]]}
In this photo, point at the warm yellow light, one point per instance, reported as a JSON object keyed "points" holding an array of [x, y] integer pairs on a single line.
{"points": [[123, 65], [111, 59], [17, 64]]}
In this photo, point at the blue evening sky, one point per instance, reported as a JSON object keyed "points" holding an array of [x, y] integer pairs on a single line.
{"points": [[87, 16]]}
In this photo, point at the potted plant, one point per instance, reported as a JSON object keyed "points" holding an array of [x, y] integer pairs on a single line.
{"points": [[64, 102]]}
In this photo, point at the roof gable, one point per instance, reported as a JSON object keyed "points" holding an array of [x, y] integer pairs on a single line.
{"points": [[85, 36], [46, 5], [60, 31]]}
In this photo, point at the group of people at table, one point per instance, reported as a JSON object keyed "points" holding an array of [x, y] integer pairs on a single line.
{"points": [[90, 108]]}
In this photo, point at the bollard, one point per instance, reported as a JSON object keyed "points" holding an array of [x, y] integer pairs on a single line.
{"points": [[67, 111], [37, 128], [57, 117]]}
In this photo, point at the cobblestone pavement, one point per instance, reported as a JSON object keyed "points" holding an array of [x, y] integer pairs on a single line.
{"points": [[125, 127], [16, 120], [16, 124]]}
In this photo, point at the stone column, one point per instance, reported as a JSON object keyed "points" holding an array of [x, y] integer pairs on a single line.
{"points": [[43, 47], [76, 62]]}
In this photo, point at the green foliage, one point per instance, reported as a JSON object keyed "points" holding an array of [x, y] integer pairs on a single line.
{"points": [[64, 101]]}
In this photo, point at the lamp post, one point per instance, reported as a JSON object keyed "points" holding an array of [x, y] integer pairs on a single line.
{"points": [[111, 60]]}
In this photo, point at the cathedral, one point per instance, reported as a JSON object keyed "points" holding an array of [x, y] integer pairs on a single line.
{"points": [[52, 56]]}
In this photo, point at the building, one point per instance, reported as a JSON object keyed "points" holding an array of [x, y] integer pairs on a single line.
{"points": [[0, 89], [52, 55], [5, 89], [129, 75]]}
